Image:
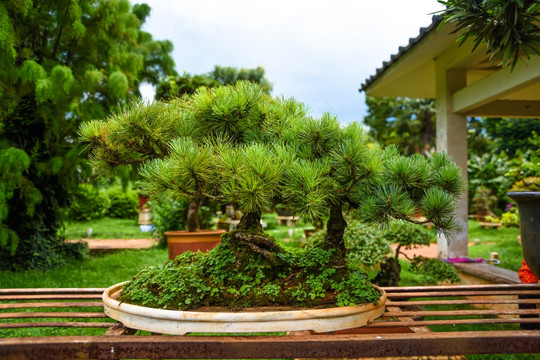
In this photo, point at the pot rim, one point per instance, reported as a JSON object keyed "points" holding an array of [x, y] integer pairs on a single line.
{"points": [[514, 194], [195, 233], [226, 317]]}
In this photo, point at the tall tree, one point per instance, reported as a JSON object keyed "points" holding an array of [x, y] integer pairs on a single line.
{"points": [[61, 62], [174, 86], [509, 28], [407, 123]]}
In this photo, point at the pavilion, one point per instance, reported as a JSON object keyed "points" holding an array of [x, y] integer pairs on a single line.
{"points": [[464, 83]]}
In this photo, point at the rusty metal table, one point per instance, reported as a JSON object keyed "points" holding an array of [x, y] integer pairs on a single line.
{"points": [[431, 320]]}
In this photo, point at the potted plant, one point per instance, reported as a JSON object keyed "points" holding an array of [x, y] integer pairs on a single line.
{"points": [[241, 146], [141, 133], [528, 203]]}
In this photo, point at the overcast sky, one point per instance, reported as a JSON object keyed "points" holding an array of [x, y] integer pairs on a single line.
{"points": [[318, 52]]}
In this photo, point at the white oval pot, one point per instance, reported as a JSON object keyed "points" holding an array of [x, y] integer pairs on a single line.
{"points": [[177, 322]]}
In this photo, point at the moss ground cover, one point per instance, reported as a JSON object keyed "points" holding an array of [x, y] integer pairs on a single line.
{"points": [[234, 277]]}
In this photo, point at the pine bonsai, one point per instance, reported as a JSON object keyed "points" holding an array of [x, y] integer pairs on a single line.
{"points": [[236, 144]]}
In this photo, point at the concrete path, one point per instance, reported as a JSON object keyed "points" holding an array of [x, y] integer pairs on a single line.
{"points": [[116, 244], [430, 251]]}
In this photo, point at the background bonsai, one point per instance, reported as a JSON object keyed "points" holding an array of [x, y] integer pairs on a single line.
{"points": [[237, 145]]}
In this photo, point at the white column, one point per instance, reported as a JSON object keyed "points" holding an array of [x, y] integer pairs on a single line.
{"points": [[452, 138]]}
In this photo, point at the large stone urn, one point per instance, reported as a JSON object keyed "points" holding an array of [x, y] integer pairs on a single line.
{"points": [[528, 203]]}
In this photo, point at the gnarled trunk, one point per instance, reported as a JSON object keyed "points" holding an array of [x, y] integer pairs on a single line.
{"points": [[335, 227], [194, 206], [249, 233]]}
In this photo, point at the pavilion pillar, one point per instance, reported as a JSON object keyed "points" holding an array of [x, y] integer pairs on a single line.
{"points": [[452, 138]]}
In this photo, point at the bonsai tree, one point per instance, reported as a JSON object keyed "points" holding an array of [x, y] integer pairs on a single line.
{"points": [[174, 132], [237, 145]]}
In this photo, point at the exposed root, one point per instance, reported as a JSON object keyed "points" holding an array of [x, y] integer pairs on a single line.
{"points": [[258, 244]]}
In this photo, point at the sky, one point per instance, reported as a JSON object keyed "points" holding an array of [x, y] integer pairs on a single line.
{"points": [[319, 52]]}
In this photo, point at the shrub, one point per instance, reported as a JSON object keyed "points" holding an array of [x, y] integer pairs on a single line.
{"points": [[88, 203], [366, 246], [123, 203], [528, 184], [510, 218]]}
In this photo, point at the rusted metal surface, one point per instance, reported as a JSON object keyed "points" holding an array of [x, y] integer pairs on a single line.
{"points": [[60, 304], [49, 297], [22, 291], [464, 302], [483, 287], [462, 312], [402, 331], [67, 324], [309, 346], [397, 323], [55, 314], [407, 295]]}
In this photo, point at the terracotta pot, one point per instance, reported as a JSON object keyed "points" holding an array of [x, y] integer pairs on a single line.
{"points": [[177, 322], [182, 240], [528, 203], [309, 232]]}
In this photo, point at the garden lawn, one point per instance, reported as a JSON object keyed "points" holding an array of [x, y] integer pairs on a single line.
{"points": [[97, 271], [106, 228], [503, 241]]}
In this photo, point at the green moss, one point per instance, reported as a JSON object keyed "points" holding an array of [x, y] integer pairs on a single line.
{"points": [[234, 276]]}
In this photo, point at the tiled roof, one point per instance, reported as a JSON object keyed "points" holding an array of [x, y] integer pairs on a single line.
{"points": [[436, 20]]}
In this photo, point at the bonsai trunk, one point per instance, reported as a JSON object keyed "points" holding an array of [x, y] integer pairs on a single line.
{"points": [[249, 233], [193, 223], [335, 227]]}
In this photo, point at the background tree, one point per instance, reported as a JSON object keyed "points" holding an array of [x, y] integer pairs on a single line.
{"points": [[174, 86], [61, 62], [509, 28], [406, 123]]}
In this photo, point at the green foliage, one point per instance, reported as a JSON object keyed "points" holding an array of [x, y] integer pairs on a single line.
{"points": [[366, 245], [483, 201], [88, 203], [511, 135], [407, 235], [435, 269], [123, 202], [510, 218], [528, 184], [176, 86], [488, 171], [64, 62], [169, 214], [225, 277], [406, 123], [509, 28]]}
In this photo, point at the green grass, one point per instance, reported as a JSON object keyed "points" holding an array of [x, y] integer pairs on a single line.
{"points": [[98, 271], [106, 228], [503, 241]]}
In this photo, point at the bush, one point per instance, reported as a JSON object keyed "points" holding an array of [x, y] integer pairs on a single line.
{"points": [[510, 218], [366, 246], [168, 214], [88, 203], [528, 184], [123, 203]]}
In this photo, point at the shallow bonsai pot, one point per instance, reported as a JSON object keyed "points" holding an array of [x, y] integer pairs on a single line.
{"points": [[181, 241], [528, 203], [177, 322]]}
